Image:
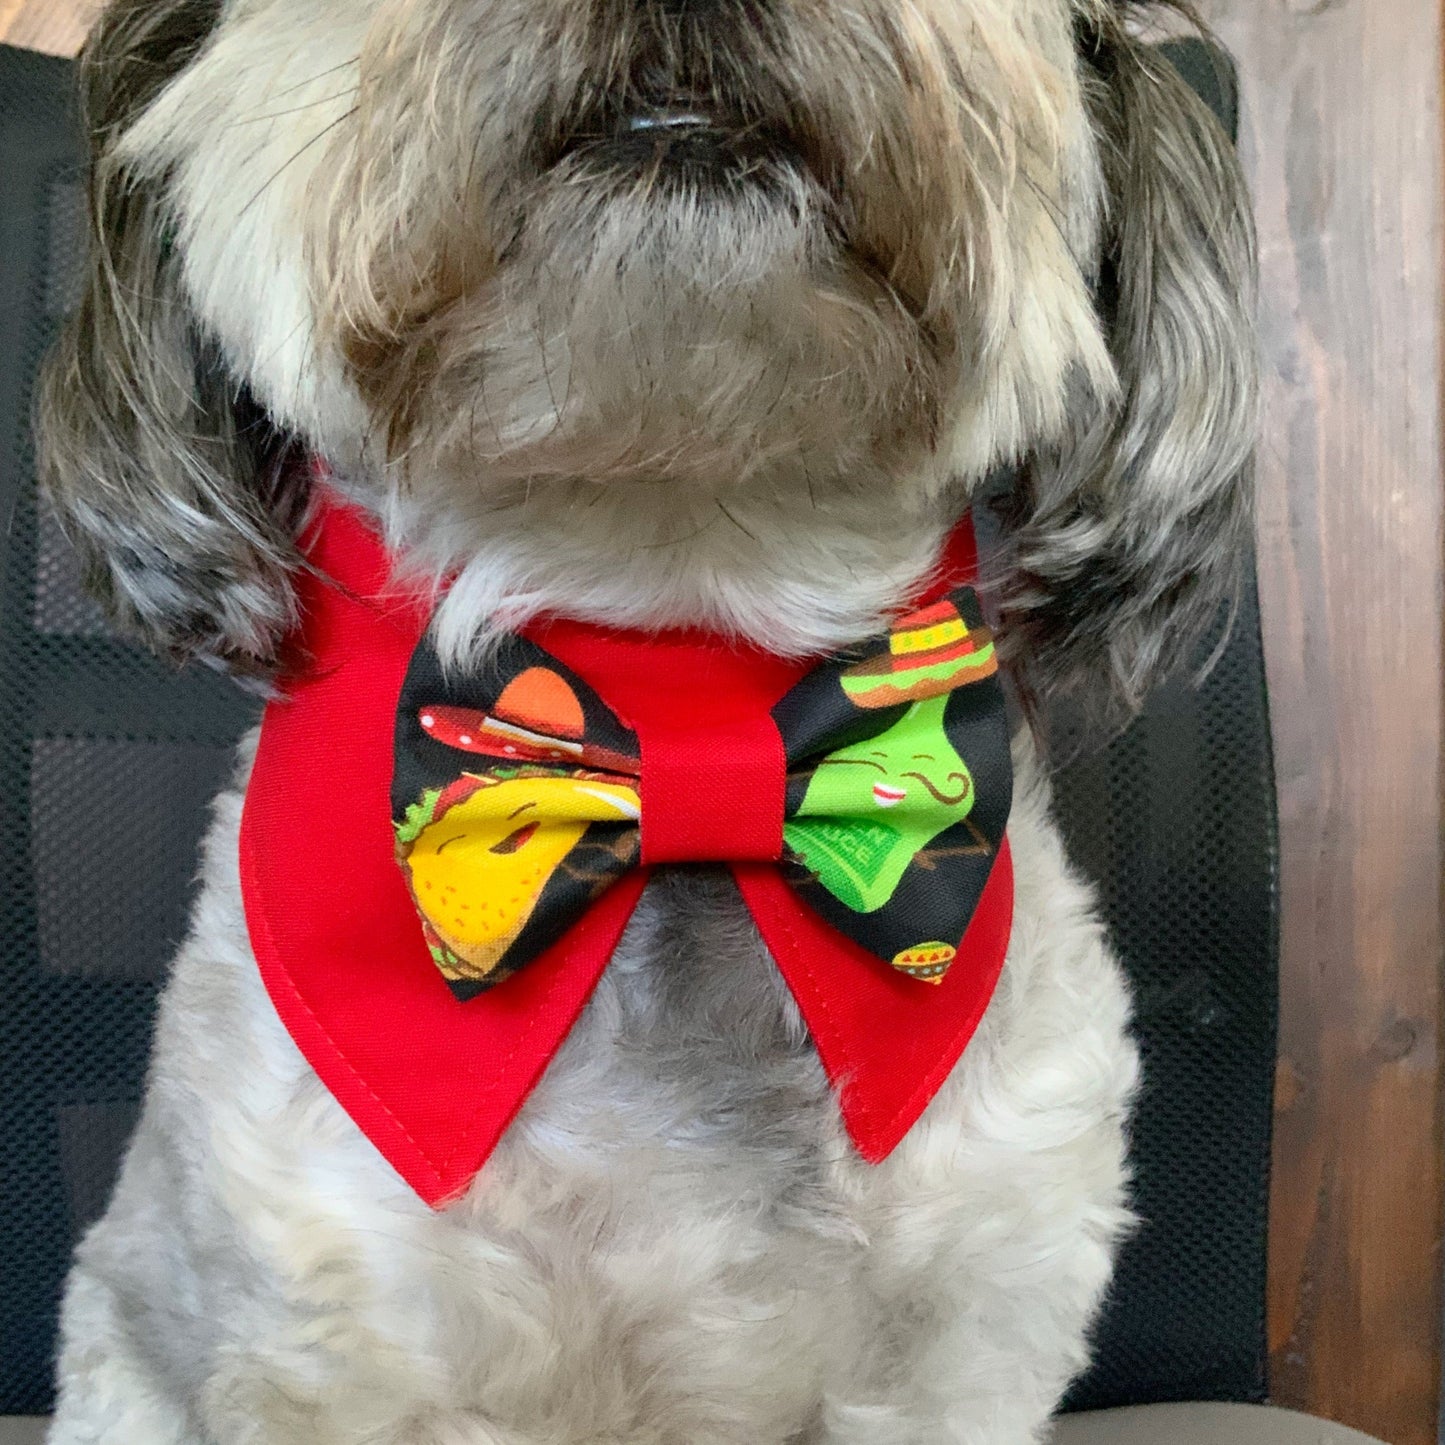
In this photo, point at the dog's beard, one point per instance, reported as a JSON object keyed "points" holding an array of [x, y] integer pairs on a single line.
{"points": [[662, 325], [700, 257], [857, 270]]}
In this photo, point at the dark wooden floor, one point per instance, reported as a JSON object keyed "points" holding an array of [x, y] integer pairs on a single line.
{"points": [[1343, 136]]}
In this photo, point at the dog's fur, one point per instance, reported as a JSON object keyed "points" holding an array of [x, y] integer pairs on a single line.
{"points": [[747, 377]]}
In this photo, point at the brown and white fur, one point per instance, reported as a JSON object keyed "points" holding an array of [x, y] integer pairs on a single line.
{"points": [[647, 311]]}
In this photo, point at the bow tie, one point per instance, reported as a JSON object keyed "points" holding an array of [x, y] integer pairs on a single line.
{"points": [[878, 785], [500, 827]]}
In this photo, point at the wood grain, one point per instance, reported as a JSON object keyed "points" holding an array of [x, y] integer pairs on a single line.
{"points": [[1343, 138], [56, 26]]}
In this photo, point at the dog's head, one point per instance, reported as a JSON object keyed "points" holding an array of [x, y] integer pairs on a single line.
{"points": [[690, 254]]}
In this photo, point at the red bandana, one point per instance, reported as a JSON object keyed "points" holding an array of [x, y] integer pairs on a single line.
{"points": [[432, 1074]]}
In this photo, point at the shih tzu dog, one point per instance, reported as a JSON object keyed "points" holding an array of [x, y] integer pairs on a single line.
{"points": [[634, 995]]}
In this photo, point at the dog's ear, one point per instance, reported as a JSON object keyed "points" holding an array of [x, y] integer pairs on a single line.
{"points": [[178, 494], [1125, 540]]}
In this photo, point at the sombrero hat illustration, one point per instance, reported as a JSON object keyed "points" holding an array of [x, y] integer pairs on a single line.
{"points": [[537, 719], [930, 652]]}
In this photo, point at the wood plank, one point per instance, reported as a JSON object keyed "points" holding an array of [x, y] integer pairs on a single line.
{"points": [[1343, 139], [56, 26]]}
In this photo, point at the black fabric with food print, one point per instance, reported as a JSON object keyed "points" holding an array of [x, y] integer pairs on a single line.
{"points": [[900, 783], [516, 801], [515, 804]]}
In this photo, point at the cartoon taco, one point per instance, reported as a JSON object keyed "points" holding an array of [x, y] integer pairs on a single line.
{"points": [[478, 853]]}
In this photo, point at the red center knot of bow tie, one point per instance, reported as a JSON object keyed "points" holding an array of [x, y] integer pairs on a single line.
{"points": [[713, 792]]}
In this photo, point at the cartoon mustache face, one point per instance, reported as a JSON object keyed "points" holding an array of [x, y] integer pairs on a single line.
{"points": [[909, 778], [890, 792]]}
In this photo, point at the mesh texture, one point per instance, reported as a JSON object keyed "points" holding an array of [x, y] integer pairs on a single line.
{"points": [[107, 761], [1185, 863]]}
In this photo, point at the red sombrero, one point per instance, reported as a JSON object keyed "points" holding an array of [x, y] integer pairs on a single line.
{"points": [[537, 719]]}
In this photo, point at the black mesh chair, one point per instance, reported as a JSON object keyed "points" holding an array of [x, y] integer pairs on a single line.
{"points": [[107, 760]]}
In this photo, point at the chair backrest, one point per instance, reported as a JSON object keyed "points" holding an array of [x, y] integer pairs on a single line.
{"points": [[107, 760], [1176, 822]]}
